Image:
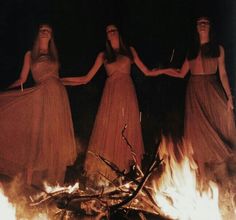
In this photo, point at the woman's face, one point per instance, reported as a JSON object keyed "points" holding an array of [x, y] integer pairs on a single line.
{"points": [[203, 25], [112, 32], [45, 32]]}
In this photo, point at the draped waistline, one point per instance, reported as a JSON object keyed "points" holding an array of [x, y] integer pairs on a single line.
{"points": [[46, 78], [117, 75], [202, 77]]}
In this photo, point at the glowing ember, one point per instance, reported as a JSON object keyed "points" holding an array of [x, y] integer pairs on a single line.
{"points": [[7, 210], [68, 189], [177, 192], [40, 217]]}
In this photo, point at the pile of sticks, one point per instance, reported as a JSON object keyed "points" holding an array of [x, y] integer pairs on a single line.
{"points": [[129, 193]]}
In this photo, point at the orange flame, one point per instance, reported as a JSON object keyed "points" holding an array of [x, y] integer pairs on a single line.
{"points": [[7, 210], [11, 211], [177, 192]]}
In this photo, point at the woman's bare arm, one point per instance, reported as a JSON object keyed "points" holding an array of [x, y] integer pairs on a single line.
{"points": [[24, 71], [74, 81], [175, 72], [155, 72], [139, 63], [224, 78]]}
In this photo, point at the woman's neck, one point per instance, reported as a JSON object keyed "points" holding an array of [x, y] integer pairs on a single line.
{"points": [[115, 45], [204, 38], [43, 46]]}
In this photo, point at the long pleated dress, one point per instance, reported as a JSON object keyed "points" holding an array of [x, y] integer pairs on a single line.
{"points": [[37, 137], [118, 107], [209, 125]]}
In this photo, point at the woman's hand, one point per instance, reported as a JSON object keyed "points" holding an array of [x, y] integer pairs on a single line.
{"points": [[167, 71], [73, 81], [155, 72], [230, 105], [17, 83]]}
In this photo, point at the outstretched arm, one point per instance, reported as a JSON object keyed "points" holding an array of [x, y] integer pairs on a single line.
{"points": [[24, 71], [155, 72], [74, 81], [224, 78], [174, 72], [140, 64]]}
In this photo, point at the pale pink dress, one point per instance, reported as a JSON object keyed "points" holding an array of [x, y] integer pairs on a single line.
{"points": [[37, 137], [209, 125], [118, 107]]}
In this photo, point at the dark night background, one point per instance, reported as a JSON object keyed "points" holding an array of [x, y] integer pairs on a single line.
{"points": [[153, 27]]}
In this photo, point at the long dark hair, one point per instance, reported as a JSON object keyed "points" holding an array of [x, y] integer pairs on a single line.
{"points": [[52, 50], [111, 54], [208, 50]]}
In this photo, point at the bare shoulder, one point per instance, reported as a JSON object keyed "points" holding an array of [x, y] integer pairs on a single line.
{"points": [[28, 53], [100, 58], [27, 57], [221, 49], [133, 51], [101, 55]]}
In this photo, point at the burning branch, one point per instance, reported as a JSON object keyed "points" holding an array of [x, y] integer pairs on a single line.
{"points": [[109, 200], [127, 177], [139, 188]]}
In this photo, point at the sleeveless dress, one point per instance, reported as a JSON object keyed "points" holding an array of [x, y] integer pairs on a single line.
{"points": [[118, 107], [37, 137], [209, 125]]}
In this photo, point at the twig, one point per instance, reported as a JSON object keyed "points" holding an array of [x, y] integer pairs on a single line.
{"points": [[140, 186], [172, 55], [109, 163], [132, 151], [127, 177]]}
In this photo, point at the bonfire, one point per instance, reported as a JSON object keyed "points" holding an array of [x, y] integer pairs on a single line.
{"points": [[168, 189]]}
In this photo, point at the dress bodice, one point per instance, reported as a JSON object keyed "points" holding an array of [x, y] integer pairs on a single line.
{"points": [[202, 65], [121, 67], [44, 68]]}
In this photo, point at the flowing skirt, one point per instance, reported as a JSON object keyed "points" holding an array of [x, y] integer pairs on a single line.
{"points": [[37, 136], [209, 125], [118, 107]]}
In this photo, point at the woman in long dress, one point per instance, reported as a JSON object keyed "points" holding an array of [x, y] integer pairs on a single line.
{"points": [[37, 137], [209, 119], [118, 107]]}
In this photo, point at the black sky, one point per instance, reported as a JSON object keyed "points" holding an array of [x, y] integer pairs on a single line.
{"points": [[153, 27]]}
